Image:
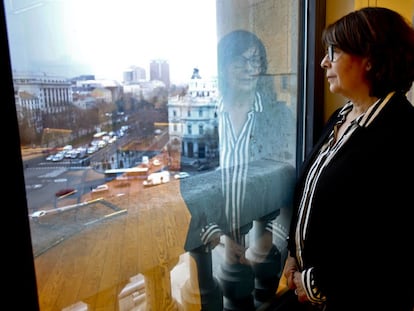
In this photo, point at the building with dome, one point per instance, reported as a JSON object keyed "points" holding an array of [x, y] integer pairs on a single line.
{"points": [[193, 121]]}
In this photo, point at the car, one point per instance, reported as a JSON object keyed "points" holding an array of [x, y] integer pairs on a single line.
{"points": [[58, 157], [100, 188], [203, 167], [157, 178], [181, 175], [65, 192], [156, 162], [38, 214], [92, 149]]}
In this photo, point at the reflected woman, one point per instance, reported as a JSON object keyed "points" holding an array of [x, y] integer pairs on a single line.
{"points": [[255, 131], [253, 126], [253, 186]]}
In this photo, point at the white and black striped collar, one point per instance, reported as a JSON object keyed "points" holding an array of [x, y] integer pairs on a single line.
{"points": [[374, 110], [365, 119]]}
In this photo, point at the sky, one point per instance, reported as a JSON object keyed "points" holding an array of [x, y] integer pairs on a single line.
{"points": [[104, 37]]}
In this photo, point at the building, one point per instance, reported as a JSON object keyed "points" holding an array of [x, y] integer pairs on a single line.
{"points": [[49, 94], [111, 90], [192, 119], [160, 70], [134, 74]]}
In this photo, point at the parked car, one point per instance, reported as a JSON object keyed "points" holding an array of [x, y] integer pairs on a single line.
{"points": [[156, 162], [203, 167], [100, 188], [92, 149], [58, 157], [38, 214], [157, 178], [181, 175], [65, 192]]}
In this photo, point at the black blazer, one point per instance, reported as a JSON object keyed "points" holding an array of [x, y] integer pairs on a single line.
{"points": [[360, 237]]}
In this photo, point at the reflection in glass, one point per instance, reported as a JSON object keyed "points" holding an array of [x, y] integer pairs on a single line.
{"points": [[256, 149], [101, 240]]}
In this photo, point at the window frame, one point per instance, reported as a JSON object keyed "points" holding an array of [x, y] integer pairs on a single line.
{"points": [[310, 110], [21, 277]]}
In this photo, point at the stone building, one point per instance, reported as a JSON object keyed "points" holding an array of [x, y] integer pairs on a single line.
{"points": [[192, 119]]}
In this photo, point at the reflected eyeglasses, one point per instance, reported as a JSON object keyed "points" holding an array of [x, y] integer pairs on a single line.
{"points": [[241, 61]]}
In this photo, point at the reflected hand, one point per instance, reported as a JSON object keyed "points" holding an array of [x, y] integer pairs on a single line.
{"points": [[235, 253], [215, 240]]}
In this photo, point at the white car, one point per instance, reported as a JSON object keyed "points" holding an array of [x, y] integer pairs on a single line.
{"points": [[157, 178], [58, 157], [38, 214], [100, 188], [181, 175]]}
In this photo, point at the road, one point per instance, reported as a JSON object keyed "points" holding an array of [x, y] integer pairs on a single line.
{"points": [[44, 178]]}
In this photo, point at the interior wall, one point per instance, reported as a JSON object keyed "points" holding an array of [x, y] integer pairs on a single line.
{"points": [[270, 20], [275, 22]]}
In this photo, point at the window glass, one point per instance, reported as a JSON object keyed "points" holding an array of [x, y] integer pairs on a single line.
{"points": [[134, 201]]}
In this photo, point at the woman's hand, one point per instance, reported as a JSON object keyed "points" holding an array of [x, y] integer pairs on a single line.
{"points": [[290, 268], [294, 278], [299, 291]]}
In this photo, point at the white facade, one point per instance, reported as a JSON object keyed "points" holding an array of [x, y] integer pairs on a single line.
{"points": [[50, 94], [192, 119]]}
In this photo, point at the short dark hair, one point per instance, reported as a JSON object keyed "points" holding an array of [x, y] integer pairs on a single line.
{"points": [[235, 44], [386, 38]]}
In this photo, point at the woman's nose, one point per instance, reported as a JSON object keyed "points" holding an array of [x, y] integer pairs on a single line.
{"points": [[325, 62]]}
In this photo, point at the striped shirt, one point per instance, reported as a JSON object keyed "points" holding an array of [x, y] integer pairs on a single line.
{"points": [[326, 154], [234, 162]]}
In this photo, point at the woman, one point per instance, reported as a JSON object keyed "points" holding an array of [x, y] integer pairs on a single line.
{"points": [[253, 125], [255, 178], [352, 232], [253, 128]]}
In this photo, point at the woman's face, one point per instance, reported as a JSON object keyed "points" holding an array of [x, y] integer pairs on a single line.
{"points": [[243, 70], [346, 73]]}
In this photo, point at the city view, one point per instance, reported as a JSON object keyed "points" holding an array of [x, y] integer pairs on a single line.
{"points": [[119, 113], [102, 138], [107, 120]]}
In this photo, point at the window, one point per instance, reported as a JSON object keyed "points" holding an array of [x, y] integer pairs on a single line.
{"points": [[111, 239]]}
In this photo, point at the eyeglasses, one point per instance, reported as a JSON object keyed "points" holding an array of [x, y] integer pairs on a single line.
{"points": [[332, 53], [241, 61]]}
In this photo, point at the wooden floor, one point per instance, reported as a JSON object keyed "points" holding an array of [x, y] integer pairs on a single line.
{"points": [[88, 268]]}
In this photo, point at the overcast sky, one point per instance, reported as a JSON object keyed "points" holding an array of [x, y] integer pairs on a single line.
{"points": [[104, 37]]}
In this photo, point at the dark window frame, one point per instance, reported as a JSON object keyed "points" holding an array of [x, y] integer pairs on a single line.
{"points": [[21, 277], [310, 110]]}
